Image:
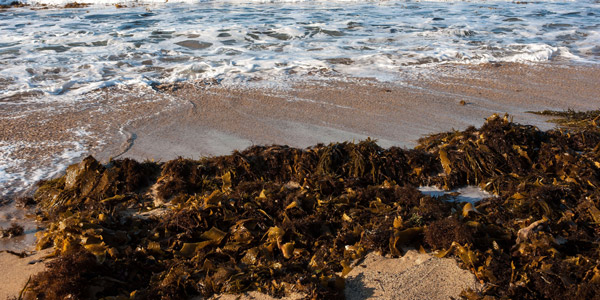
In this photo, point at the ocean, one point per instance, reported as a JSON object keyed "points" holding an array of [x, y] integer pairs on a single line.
{"points": [[57, 51]]}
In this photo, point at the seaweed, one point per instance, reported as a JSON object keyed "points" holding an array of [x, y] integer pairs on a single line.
{"points": [[76, 5], [12, 231], [70, 272], [278, 219], [442, 233], [23, 202], [572, 118]]}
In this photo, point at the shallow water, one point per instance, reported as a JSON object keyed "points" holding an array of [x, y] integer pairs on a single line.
{"points": [[9, 215], [67, 51]]}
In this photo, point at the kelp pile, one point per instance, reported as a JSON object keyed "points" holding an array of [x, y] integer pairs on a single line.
{"points": [[13, 230], [573, 119], [279, 219], [76, 5]]}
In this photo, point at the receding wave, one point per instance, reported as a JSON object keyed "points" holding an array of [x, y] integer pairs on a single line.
{"points": [[76, 49]]}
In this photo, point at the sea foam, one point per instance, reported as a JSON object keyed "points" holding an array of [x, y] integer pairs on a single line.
{"points": [[60, 52]]}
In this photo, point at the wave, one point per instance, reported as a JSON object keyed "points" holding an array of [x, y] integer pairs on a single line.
{"points": [[142, 2]]}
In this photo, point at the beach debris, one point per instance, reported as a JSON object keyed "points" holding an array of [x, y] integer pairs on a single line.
{"points": [[12, 231], [278, 220], [76, 5], [573, 119], [24, 202], [21, 254], [14, 4]]}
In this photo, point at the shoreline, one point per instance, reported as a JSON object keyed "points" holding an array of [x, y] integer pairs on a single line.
{"points": [[214, 120], [195, 121]]}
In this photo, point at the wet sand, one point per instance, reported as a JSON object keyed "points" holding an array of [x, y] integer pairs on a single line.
{"points": [[214, 120], [196, 119], [44, 134]]}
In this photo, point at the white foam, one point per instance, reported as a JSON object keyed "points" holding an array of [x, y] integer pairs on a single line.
{"points": [[16, 174], [97, 2], [6, 163]]}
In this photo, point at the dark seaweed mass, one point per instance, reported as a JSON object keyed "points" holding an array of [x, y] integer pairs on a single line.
{"points": [[279, 219], [12, 231]]}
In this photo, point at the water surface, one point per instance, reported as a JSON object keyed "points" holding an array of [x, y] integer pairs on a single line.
{"points": [[62, 51]]}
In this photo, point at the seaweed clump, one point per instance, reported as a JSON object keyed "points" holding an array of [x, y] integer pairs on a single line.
{"points": [[572, 118], [279, 219], [69, 273], [12, 231], [13, 4], [76, 5]]}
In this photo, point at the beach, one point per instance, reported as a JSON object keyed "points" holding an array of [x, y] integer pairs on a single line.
{"points": [[79, 80], [197, 120], [372, 120], [215, 120], [377, 277]]}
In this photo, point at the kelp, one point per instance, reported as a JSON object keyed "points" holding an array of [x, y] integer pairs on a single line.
{"points": [[278, 219], [13, 4], [76, 5], [572, 118], [13, 230]]}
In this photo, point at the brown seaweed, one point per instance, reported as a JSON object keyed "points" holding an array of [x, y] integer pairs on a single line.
{"points": [[13, 230], [573, 119], [278, 219], [76, 5], [14, 4]]}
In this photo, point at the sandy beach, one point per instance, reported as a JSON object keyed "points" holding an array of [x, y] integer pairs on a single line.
{"points": [[17, 271], [306, 149], [194, 120], [376, 277]]}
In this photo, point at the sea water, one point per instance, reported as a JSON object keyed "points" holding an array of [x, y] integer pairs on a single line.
{"points": [[72, 51]]}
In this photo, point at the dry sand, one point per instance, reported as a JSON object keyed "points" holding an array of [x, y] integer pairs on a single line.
{"points": [[413, 276], [15, 272], [196, 120]]}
